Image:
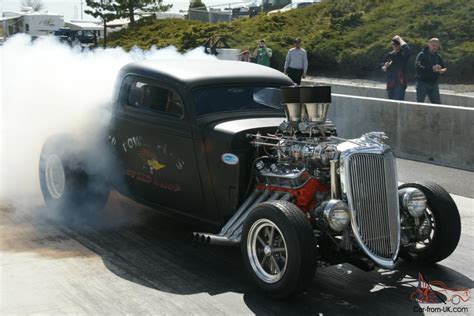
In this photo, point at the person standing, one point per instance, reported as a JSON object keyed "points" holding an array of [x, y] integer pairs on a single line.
{"points": [[429, 65], [296, 63], [245, 56], [395, 65], [263, 54]]}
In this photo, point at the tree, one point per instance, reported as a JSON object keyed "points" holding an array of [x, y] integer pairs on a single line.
{"points": [[197, 4], [128, 8], [36, 5], [198, 11], [106, 10]]}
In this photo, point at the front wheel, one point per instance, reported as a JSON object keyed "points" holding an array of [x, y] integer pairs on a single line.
{"points": [[278, 248], [435, 234]]}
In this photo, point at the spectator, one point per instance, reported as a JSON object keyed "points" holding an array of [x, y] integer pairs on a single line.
{"points": [[395, 65], [296, 63], [263, 54], [245, 56], [429, 65]]}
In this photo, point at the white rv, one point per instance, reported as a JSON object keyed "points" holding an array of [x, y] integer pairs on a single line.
{"points": [[31, 22]]}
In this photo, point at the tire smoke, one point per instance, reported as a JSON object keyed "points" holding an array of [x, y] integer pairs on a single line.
{"points": [[49, 88]]}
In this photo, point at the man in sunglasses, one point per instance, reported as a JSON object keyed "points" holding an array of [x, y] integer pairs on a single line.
{"points": [[395, 65]]}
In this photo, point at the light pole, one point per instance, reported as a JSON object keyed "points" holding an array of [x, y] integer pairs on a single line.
{"points": [[82, 12]]}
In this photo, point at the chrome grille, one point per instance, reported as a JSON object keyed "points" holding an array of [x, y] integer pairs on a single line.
{"points": [[373, 199]]}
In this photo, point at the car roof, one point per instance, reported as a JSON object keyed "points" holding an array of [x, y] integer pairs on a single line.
{"points": [[206, 72]]}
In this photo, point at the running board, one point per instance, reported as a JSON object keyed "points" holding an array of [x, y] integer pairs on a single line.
{"points": [[231, 233]]}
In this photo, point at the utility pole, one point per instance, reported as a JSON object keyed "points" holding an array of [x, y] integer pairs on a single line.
{"points": [[82, 12], [105, 33]]}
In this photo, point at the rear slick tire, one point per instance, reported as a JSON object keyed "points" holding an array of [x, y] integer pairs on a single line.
{"points": [[65, 183], [279, 249]]}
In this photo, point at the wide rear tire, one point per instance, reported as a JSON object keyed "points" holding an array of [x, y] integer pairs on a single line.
{"points": [[67, 182], [279, 248]]}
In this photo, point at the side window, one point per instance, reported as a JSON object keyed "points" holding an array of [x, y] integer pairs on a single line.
{"points": [[150, 97]]}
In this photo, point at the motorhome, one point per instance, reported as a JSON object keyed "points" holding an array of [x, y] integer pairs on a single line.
{"points": [[34, 23]]}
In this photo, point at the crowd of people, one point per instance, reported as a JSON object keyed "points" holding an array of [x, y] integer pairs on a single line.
{"points": [[429, 66]]}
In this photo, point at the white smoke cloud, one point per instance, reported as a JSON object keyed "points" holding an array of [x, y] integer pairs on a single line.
{"points": [[48, 88]]}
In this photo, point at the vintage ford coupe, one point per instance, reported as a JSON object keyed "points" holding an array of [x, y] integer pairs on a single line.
{"points": [[252, 159]]}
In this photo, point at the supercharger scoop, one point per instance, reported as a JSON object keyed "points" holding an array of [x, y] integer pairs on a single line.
{"points": [[305, 142]]}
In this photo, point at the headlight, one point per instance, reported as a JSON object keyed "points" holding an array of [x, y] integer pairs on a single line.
{"points": [[412, 200], [336, 214]]}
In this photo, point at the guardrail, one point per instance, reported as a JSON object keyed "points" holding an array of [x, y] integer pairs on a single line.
{"points": [[440, 134], [379, 91]]}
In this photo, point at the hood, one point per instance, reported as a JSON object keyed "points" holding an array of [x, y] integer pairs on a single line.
{"points": [[231, 134], [230, 155], [239, 125]]}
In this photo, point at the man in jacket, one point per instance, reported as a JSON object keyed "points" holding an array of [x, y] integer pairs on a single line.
{"points": [[429, 65], [395, 65], [296, 63]]}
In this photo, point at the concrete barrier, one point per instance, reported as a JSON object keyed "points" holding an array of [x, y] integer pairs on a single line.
{"points": [[379, 91], [438, 134]]}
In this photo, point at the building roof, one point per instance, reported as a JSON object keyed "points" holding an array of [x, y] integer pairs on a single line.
{"points": [[204, 72], [10, 16], [121, 21], [30, 13], [85, 25]]}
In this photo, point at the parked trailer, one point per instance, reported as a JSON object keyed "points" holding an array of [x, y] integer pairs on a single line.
{"points": [[32, 23]]}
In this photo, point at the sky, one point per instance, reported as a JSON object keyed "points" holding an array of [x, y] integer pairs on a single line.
{"points": [[71, 9]]}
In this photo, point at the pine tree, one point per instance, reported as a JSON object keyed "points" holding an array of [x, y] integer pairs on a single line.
{"points": [[106, 11], [36, 5], [130, 7]]}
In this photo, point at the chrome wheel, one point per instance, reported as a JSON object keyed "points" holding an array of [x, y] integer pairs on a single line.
{"points": [[267, 251], [434, 235], [426, 230], [55, 177]]}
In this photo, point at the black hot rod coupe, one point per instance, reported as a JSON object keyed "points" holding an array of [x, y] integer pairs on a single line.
{"points": [[238, 148]]}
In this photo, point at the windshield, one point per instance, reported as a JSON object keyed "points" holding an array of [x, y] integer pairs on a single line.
{"points": [[85, 33], [225, 99]]}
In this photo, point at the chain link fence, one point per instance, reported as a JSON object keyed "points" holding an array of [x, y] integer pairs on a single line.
{"points": [[209, 15]]}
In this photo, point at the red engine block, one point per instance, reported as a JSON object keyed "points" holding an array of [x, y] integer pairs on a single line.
{"points": [[305, 196]]}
